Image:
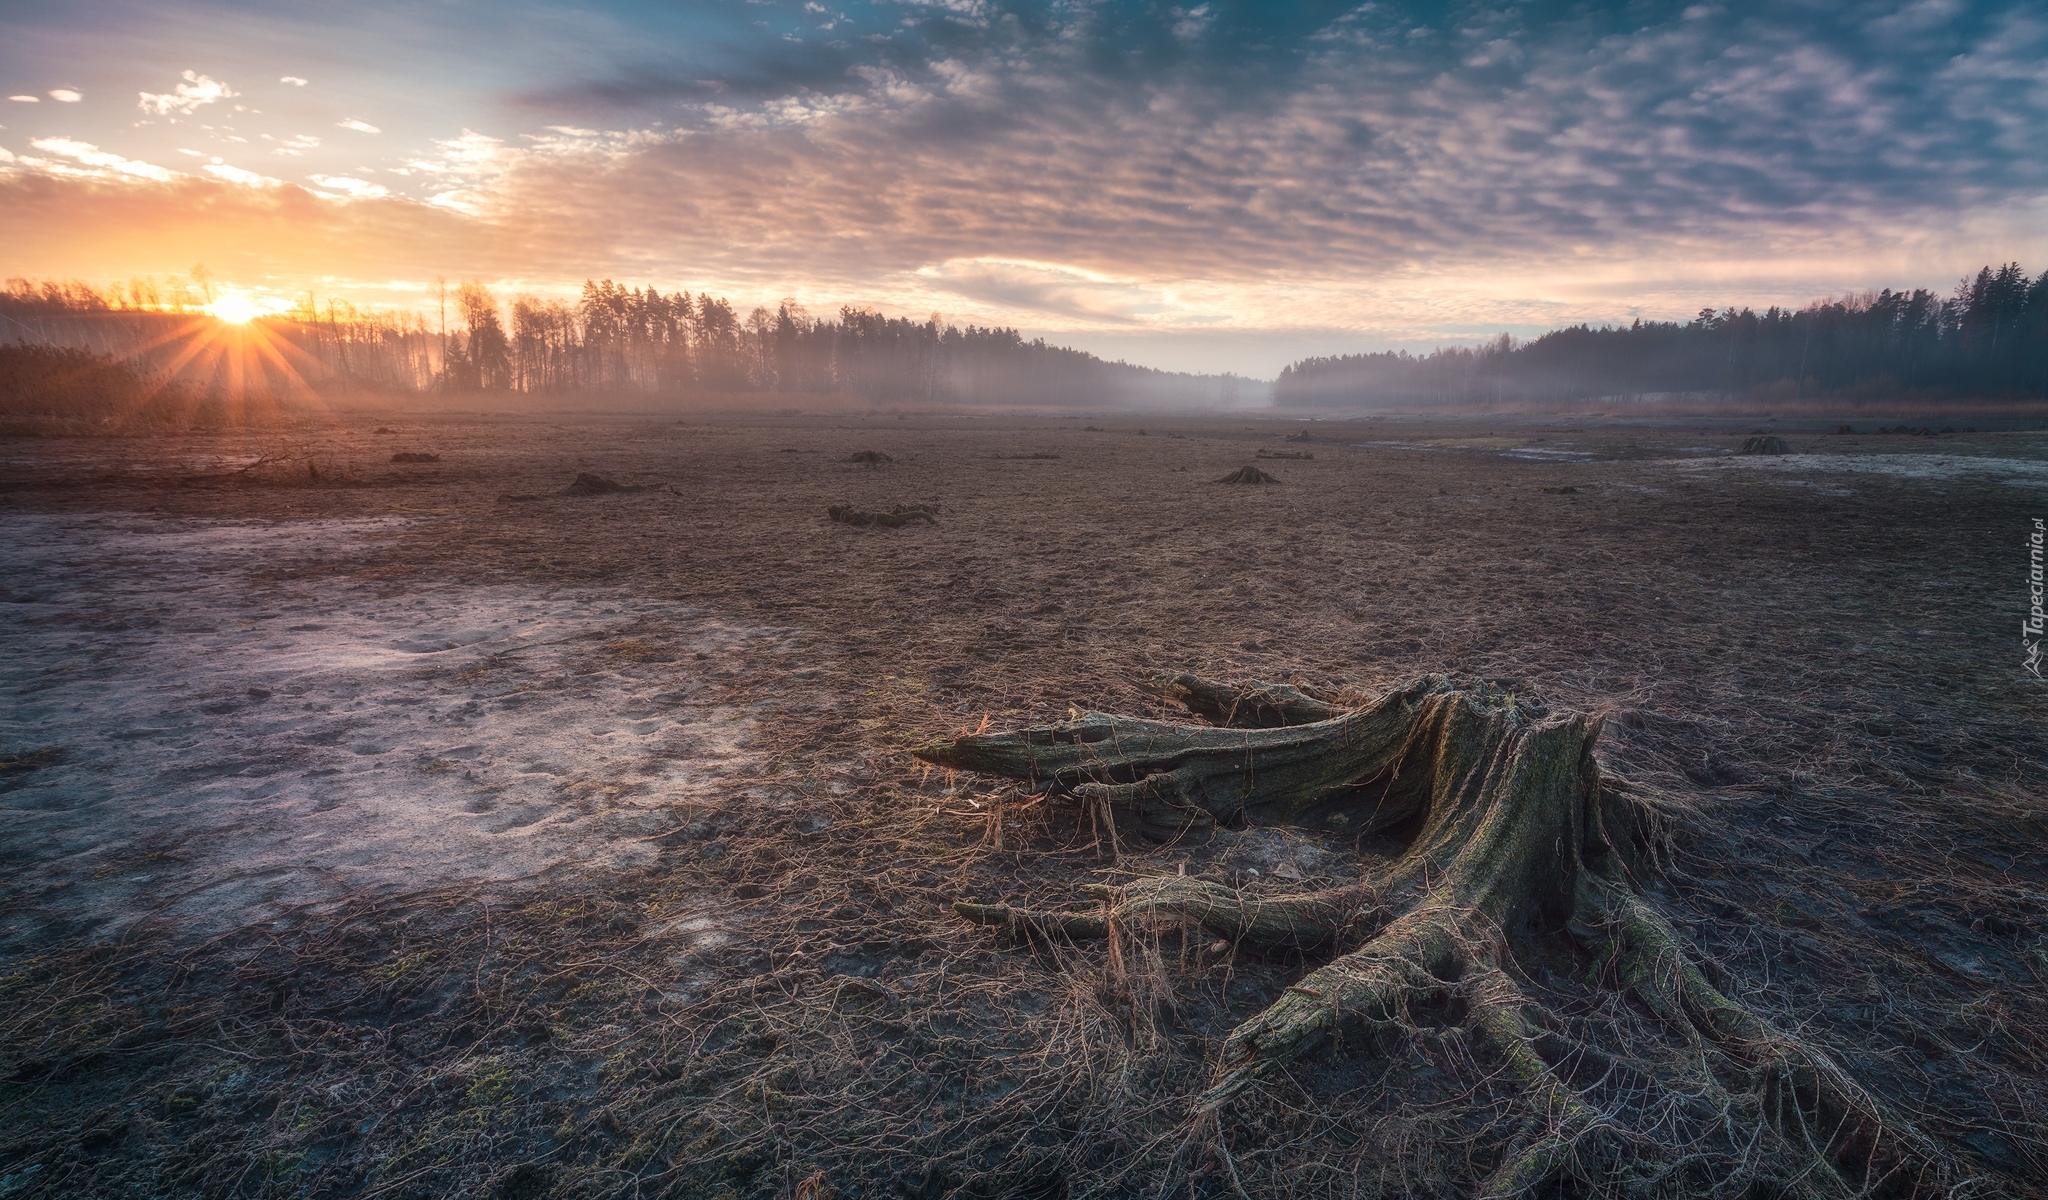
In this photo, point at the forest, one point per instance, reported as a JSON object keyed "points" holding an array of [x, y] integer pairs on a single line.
{"points": [[1988, 339], [614, 339]]}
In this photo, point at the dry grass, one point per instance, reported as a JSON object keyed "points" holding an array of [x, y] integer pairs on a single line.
{"points": [[785, 1004]]}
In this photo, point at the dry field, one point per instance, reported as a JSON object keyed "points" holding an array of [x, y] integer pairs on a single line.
{"points": [[418, 829]]}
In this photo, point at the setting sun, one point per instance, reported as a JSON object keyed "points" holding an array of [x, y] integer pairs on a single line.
{"points": [[235, 310]]}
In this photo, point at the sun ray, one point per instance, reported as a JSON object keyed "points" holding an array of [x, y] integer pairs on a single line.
{"points": [[272, 350], [196, 341]]}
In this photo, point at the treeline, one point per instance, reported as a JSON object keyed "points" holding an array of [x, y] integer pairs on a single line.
{"points": [[618, 339], [163, 335], [621, 339], [47, 389], [1989, 339]]}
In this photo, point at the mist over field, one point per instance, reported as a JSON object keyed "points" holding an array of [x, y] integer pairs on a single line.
{"points": [[82, 354], [788, 600]]}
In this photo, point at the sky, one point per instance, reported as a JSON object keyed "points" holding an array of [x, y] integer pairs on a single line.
{"points": [[1209, 186]]}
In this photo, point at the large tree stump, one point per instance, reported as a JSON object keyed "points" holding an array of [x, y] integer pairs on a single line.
{"points": [[1508, 824]]}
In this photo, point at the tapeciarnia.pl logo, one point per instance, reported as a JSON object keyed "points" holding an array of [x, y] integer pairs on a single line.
{"points": [[2031, 629]]}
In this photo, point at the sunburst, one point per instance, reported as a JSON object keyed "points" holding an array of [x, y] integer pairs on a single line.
{"points": [[234, 309], [225, 353]]}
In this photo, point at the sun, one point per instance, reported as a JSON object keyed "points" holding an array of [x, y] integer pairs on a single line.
{"points": [[235, 310]]}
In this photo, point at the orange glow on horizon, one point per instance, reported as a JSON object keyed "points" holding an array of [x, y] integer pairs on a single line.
{"points": [[235, 310]]}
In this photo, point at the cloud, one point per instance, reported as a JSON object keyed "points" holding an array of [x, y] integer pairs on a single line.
{"points": [[474, 170], [294, 80], [354, 189], [98, 228], [26, 99], [237, 175], [358, 126], [730, 66], [1046, 288], [66, 95], [1134, 147], [187, 97], [104, 164], [1407, 171]]}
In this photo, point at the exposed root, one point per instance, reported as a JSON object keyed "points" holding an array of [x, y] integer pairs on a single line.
{"points": [[1508, 826], [1262, 926], [1808, 1098], [1247, 706], [1162, 779]]}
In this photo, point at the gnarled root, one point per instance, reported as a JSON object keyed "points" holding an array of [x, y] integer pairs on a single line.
{"points": [[1808, 1098], [1437, 957], [1261, 926], [1511, 819], [1161, 780]]}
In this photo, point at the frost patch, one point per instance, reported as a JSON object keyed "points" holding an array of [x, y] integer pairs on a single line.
{"points": [[2020, 471], [1548, 454], [217, 734]]}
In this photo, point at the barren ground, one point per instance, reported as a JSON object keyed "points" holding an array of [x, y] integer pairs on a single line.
{"points": [[383, 833]]}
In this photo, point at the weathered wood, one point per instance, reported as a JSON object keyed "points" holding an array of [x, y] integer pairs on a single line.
{"points": [[1506, 817], [1161, 779]]}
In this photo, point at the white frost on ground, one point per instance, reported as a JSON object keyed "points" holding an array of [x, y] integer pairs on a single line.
{"points": [[235, 734], [2024, 472]]}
